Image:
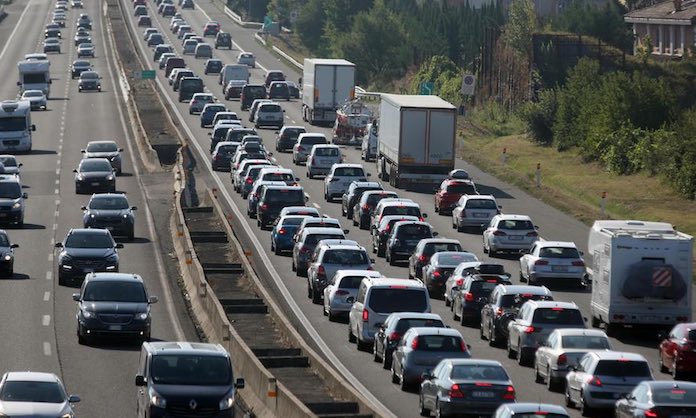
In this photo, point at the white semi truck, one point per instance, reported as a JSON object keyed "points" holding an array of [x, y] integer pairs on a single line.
{"points": [[34, 75], [641, 274], [15, 126], [326, 85], [416, 140]]}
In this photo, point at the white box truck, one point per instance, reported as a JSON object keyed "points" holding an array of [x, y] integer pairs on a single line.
{"points": [[641, 274], [416, 139], [34, 75], [326, 85], [15, 126]]}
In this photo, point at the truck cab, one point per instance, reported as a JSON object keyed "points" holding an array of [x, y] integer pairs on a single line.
{"points": [[15, 126]]}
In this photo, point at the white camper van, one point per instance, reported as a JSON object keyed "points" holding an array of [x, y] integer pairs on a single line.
{"points": [[34, 75], [641, 274], [15, 126]]}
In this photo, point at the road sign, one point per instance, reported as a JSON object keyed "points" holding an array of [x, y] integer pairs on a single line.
{"points": [[267, 21], [426, 88], [294, 14], [148, 74], [468, 84], [138, 75]]}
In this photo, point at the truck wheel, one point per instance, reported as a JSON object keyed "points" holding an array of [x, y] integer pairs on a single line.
{"points": [[595, 322]]}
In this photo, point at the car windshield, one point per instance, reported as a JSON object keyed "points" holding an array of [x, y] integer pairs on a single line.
{"points": [[95, 165], [481, 204], [434, 247], [10, 190], [109, 203], [77, 240], [558, 316], [558, 252], [32, 93], [414, 231], [461, 188], [285, 196], [4, 241], [347, 257], [673, 395], [407, 323], [515, 225], [327, 152], [22, 391], [455, 259], [509, 301], [190, 370], [398, 299], [89, 76], [312, 239], [439, 343], [622, 368], [102, 147], [349, 172], [114, 291], [594, 342], [479, 372], [8, 161]]}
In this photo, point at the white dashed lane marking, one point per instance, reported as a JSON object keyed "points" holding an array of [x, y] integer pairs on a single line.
{"points": [[46, 320], [47, 296], [47, 348]]}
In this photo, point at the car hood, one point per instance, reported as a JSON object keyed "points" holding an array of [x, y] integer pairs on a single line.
{"points": [[95, 174], [100, 154], [115, 307], [89, 252], [107, 212], [33, 409]]}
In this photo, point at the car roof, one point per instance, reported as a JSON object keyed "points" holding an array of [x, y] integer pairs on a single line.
{"points": [[31, 377], [113, 277], [314, 230], [435, 331], [389, 218], [548, 304], [366, 184], [185, 347], [369, 192], [525, 407], [472, 362], [364, 273], [670, 384], [395, 282], [514, 217], [91, 231], [564, 244], [399, 223], [414, 315], [479, 196], [102, 141], [617, 355], [343, 245], [289, 188], [580, 331], [349, 165], [521, 289], [324, 219], [439, 241], [108, 195]]}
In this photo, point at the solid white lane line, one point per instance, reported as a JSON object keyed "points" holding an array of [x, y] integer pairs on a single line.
{"points": [[46, 320], [47, 296], [50, 257], [14, 31], [47, 348], [316, 205]]}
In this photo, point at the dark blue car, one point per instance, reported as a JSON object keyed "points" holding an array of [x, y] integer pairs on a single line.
{"points": [[283, 232], [208, 113]]}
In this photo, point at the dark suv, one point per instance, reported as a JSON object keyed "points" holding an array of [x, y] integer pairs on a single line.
{"points": [[113, 304], [405, 237], [86, 251], [274, 199], [251, 92], [473, 294], [177, 379], [110, 211], [223, 40]]}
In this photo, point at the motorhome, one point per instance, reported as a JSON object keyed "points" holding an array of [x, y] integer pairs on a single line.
{"points": [[15, 126], [34, 75]]}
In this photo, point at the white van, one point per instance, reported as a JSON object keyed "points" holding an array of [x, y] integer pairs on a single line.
{"points": [[379, 297], [370, 142], [233, 72]]}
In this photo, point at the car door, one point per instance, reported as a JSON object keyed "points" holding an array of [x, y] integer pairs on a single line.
{"points": [[380, 337], [545, 352], [489, 230], [527, 260], [669, 346], [398, 355], [143, 397], [578, 377], [430, 387]]}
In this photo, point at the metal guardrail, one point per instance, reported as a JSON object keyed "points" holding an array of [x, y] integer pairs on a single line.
{"points": [[238, 19]]}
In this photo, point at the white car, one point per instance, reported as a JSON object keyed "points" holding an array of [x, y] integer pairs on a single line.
{"points": [[34, 394], [563, 349], [341, 290], [340, 177], [474, 211], [321, 158], [515, 233], [9, 164], [269, 114], [85, 50], [247, 58], [190, 46], [37, 99], [553, 260], [456, 280]]}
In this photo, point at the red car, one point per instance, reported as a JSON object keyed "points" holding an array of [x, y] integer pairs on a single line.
{"points": [[450, 191], [678, 350], [211, 29]]}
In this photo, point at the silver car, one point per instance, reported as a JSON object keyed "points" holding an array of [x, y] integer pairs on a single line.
{"points": [[321, 158], [421, 349], [307, 242], [530, 409], [9, 164], [247, 58], [340, 177], [474, 211], [514, 233], [34, 394], [37, 99], [329, 259], [553, 261], [562, 350], [341, 290]]}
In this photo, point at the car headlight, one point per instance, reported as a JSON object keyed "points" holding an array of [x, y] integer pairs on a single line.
{"points": [[113, 258], [142, 316], [157, 400], [87, 314], [80, 177], [66, 415], [125, 216], [16, 205], [8, 257], [110, 178], [92, 216], [227, 402]]}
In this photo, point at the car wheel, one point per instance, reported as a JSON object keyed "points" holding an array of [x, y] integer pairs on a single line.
{"points": [[316, 298], [482, 336], [585, 410], [423, 411], [386, 359], [405, 387], [131, 235], [510, 352], [522, 358], [447, 302], [294, 268], [380, 252], [375, 356], [537, 377], [351, 336], [676, 374], [80, 336], [276, 250], [551, 384], [331, 315], [568, 401]]}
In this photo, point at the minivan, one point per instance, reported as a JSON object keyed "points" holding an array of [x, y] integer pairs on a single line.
{"points": [[251, 92], [186, 377], [274, 199], [269, 114], [233, 72], [304, 145], [172, 63], [274, 75], [188, 86], [379, 297]]}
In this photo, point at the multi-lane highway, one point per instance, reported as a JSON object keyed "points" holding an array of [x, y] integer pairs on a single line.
{"points": [[38, 315], [333, 336]]}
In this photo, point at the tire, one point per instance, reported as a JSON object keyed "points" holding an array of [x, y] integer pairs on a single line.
{"points": [[276, 250], [522, 359], [537, 377], [568, 401], [62, 281], [375, 356], [380, 252], [551, 384], [386, 360], [510, 352], [394, 377], [362, 346], [316, 298], [585, 410], [80, 337], [422, 410], [595, 322], [447, 302], [405, 387], [331, 315], [676, 374], [663, 369], [351, 336], [131, 235]]}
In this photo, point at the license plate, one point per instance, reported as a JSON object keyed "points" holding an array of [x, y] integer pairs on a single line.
{"points": [[480, 394], [515, 237], [95, 184], [115, 327], [559, 268], [480, 215], [650, 318]]}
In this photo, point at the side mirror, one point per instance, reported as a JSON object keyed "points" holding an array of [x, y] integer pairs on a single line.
{"points": [[20, 164], [426, 376], [345, 231], [239, 383], [76, 297], [33, 127], [14, 245], [424, 215], [536, 226], [297, 179], [19, 83], [584, 318], [435, 233], [372, 260], [140, 380], [83, 208], [500, 206], [73, 399], [210, 134], [58, 245], [152, 299], [661, 335], [74, 170], [277, 132], [368, 174], [119, 245], [25, 196], [468, 347], [83, 151], [134, 208], [582, 253], [120, 150]]}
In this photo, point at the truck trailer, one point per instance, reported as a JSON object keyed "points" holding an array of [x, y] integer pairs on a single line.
{"points": [[34, 75], [327, 84], [416, 140], [641, 274]]}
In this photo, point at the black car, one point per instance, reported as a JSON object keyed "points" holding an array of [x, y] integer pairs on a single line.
{"points": [[353, 195], [394, 327], [78, 67], [405, 237], [86, 251], [112, 212], [89, 81], [155, 39], [287, 137], [213, 66], [223, 40], [274, 199], [95, 174], [473, 294], [161, 49], [222, 156], [113, 304], [52, 33], [6, 254], [279, 90], [144, 21], [251, 92], [294, 90]]}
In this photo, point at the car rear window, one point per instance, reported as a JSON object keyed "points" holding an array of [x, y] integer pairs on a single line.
{"points": [[559, 316], [192, 84], [674, 395], [255, 90], [374, 198], [491, 269], [292, 133], [414, 231], [462, 188], [439, 343], [509, 301], [347, 257], [279, 177], [350, 282], [481, 204], [327, 152], [285, 196], [433, 248], [221, 132], [482, 288], [594, 342], [558, 252], [454, 259], [313, 140], [312, 239], [515, 224], [401, 210], [270, 108], [349, 172], [479, 372], [622, 368], [393, 299], [407, 323]]}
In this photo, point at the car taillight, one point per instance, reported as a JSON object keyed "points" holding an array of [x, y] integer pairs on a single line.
{"points": [[304, 249], [249, 180], [595, 381], [421, 258], [541, 263], [388, 228], [217, 157], [499, 233], [321, 271], [394, 336], [651, 413], [463, 346], [578, 263], [437, 275], [456, 391], [365, 315], [421, 219], [341, 292], [532, 234], [263, 207], [469, 297], [282, 231], [499, 311], [366, 207], [509, 393], [562, 359], [414, 344], [459, 282], [531, 330], [300, 148]]}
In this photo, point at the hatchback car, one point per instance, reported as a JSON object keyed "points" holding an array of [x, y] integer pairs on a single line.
{"points": [[9, 164], [84, 251], [365, 206], [223, 40], [273, 75], [394, 206], [269, 114], [222, 155], [287, 137], [304, 144], [203, 51], [509, 233], [198, 102], [255, 105], [51, 45], [95, 174], [144, 21], [283, 232], [327, 260], [12, 205], [37, 99], [113, 304], [439, 268], [341, 290], [83, 38], [473, 294], [474, 211], [456, 279], [278, 90], [394, 327], [677, 350], [449, 192], [85, 50], [256, 191], [148, 32], [211, 28], [105, 149], [353, 195], [340, 177], [603, 377], [112, 212], [161, 49], [155, 39], [460, 386], [247, 58], [212, 66], [274, 199], [663, 398], [420, 254], [35, 394], [563, 349], [233, 89], [404, 239], [300, 210], [190, 46], [305, 244], [381, 234], [6, 255], [140, 10], [551, 262], [208, 113], [421, 349], [89, 81], [321, 158]]}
